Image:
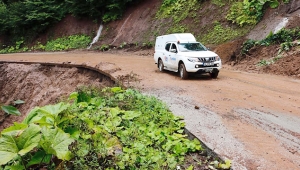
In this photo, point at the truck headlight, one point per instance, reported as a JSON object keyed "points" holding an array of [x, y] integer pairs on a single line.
{"points": [[218, 58], [193, 60]]}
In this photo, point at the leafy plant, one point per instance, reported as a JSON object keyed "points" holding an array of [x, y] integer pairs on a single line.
{"points": [[11, 110], [104, 47], [220, 3], [250, 11], [66, 43], [39, 135], [284, 37], [220, 34], [177, 9], [12, 145], [112, 128], [13, 49], [122, 45]]}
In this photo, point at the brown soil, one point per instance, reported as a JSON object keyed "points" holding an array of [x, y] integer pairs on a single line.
{"points": [[69, 26], [40, 85], [285, 63], [252, 119]]}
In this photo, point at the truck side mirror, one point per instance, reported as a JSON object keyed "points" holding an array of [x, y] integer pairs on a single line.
{"points": [[173, 50]]}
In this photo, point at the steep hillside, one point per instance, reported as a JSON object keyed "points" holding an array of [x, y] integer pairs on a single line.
{"points": [[144, 21]]}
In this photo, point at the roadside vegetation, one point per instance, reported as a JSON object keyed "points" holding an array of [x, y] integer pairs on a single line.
{"points": [[250, 11], [59, 44], [110, 128], [285, 38]]}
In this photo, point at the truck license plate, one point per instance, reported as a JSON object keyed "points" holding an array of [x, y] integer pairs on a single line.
{"points": [[208, 64]]}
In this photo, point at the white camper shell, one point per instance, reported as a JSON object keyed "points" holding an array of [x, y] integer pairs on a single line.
{"points": [[182, 53]]}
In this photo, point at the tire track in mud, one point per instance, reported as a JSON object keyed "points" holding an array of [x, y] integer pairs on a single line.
{"points": [[205, 124], [285, 129]]}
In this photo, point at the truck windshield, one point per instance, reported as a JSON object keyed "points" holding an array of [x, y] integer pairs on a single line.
{"points": [[186, 47]]}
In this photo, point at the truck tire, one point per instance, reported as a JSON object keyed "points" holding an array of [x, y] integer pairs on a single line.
{"points": [[182, 72], [160, 65], [214, 75]]}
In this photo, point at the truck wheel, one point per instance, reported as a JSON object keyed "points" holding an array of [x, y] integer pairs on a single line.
{"points": [[214, 75], [160, 65], [182, 72]]}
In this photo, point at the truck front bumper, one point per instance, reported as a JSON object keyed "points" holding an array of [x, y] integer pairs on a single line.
{"points": [[200, 68]]}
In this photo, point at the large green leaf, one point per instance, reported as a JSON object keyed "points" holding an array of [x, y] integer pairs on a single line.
{"points": [[14, 167], [32, 116], [56, 142], [129, 115], [54, 109], [15, 130], [11, 146], [40, 157], [8, 149], [29, 139], [274, 4], [47, 115], [10, 110]]}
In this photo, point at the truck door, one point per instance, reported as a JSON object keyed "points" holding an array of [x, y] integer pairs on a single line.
{"points": [[166, 54], [173, 57]]}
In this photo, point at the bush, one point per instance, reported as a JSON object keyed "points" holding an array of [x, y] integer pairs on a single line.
{"points": [[66, 43], [250, 11], [283, 38], [108, 129]]}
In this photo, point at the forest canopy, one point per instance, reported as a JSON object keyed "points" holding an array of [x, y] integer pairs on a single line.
{"points": [[31, 17]]}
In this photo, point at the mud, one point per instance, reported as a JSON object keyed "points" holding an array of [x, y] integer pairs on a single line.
{"points": [[252, 119], [286, 64], [39, 85]]}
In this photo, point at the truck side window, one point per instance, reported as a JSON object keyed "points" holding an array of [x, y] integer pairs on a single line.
{"points": [[168, 46], [173, 47]]}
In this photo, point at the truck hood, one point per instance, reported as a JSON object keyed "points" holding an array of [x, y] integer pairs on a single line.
{"points": [[199, 54]]}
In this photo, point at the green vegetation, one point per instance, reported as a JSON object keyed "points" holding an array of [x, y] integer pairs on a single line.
{"points": [[32, 17], [284, 37], [250, 11], [220, 34], [66, 43], [177, 9], [264, 62], [59, 44], [220, 3], [11, 110], [108, 129]]}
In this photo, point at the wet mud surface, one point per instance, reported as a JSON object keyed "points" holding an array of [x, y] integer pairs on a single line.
{"points": [[252, 119]]}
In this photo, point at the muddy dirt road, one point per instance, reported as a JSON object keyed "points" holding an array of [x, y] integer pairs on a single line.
{"points": [[252, 119]]}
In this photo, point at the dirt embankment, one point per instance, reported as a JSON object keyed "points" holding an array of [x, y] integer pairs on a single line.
{"points": [[39, 85], [252, 119]]}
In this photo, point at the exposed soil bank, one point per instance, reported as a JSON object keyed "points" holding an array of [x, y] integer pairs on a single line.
{"points": [[40, 85], [252, 119]]}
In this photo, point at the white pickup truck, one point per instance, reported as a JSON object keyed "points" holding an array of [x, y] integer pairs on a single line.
{"points": [[182, 53]]}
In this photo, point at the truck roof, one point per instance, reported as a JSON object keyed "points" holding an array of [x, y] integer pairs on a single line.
{"points": [[181, 37]]}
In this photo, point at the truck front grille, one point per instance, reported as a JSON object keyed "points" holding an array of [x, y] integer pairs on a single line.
{"points": [[207, 59]]}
